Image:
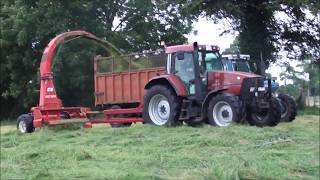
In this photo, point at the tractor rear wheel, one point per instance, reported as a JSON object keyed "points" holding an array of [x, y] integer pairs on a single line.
{"points": [[289, 108], [265, 117], [223, 110], [25, 123], [161, 106]]}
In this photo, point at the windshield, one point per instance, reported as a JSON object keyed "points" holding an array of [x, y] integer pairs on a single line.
{"points": [[210, 61], [227, 64]]}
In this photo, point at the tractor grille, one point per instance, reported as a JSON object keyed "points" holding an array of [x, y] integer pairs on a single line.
{"points": [[250, 87]]}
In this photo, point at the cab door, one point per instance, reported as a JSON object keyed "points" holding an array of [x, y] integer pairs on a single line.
{"points": [[183, 67]]}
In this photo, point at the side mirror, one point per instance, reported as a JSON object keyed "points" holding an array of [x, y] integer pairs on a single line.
{"points": [[180, 55]]}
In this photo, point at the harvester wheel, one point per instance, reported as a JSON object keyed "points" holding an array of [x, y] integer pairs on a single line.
{"points": [[289, 108], [117, 125], [161, 106], [25, 123], [223, 110], [266, 117]]}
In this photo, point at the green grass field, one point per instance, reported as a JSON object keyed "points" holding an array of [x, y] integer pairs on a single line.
{"points": [[288, 151]]}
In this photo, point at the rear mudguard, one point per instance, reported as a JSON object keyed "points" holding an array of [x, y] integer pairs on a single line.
{"points": [[169, 80]]}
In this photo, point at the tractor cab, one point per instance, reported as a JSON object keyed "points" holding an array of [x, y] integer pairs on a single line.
{"points": [[201, 69], [191, 62]]}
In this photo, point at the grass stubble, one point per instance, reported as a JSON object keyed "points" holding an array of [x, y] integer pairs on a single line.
{"points": [[288, 151]]}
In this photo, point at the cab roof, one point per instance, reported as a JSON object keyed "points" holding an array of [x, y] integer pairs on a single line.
{"points": [[190, 47], [237, 56]]}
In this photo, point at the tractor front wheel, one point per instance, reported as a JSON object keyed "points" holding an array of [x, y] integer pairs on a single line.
{"points": [[265, 117], [25, 123], [223, 110], [161, 106]]}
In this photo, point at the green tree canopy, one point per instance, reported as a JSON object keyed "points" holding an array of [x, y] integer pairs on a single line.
{"points": [[234, 47], [266, 27]]}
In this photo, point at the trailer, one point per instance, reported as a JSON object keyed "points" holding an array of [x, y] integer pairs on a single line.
{"points": [[163, 88]]}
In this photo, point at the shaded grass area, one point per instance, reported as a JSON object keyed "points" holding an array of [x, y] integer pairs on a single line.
{"points": [[290, 150], [310, 111], [5, 122], [7, 125]]}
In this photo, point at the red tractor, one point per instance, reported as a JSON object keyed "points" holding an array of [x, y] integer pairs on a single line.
{"points": [[211, 95], [165, 90]]}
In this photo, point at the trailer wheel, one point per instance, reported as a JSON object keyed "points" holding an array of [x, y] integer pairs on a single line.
{"points": [[223, 110], [117, 125], [161, 106], [266, 117], [25, 123], [289, 108]]}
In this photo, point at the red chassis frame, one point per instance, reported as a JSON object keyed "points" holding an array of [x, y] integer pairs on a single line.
{"points": [[50, 110]]}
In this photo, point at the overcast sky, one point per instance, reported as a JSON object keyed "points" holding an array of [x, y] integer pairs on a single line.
{"points": [[209, 33]]}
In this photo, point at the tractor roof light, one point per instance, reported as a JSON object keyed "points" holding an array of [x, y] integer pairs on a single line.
{"points": [[215, 48], [237, 56]]}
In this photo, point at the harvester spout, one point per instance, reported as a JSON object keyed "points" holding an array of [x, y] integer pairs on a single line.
{"points": [[48, 95]]}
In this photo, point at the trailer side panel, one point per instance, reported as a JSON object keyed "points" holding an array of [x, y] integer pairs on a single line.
{"points": [[123, 87]]}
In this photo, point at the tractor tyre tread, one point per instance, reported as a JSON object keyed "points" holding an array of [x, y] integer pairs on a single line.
{"points": [[272, 119], [291, 105]]}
